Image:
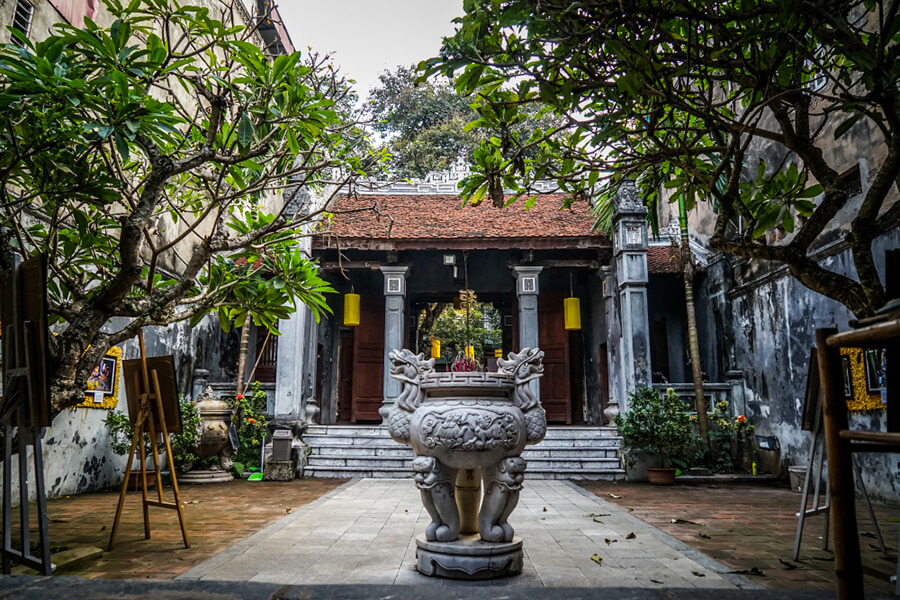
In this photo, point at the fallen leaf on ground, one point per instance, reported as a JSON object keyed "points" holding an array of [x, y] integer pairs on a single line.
{"points": [[787, 565], [630, 536], [192, 502], [597, 558], [597, 515], [545, 509], [655, 581], [869, 534], [59, 520], [752, 571], [683, 522], [288, 510], [630, 509], [596, 520], [103, 528], [888, 521], [611, 495], [704, 536], [698, 573], [609, 541]]}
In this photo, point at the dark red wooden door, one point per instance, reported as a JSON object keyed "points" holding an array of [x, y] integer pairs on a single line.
{"points": [[368, 360], [553, 339]]}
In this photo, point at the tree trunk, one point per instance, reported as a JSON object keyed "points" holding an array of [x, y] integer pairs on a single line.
{"points": [[687, 267], [242, 357]]}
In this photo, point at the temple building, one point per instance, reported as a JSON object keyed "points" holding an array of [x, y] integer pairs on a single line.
{"points": [[405, 248]]}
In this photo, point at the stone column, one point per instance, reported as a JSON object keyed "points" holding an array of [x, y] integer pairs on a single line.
{"points": [[527, 291], [613, 342], [630, 247], [310, 353], [394, 327], [289, 374]]}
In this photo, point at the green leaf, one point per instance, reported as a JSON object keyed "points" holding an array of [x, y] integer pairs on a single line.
{"points": [[245, 131], [846, 125]]}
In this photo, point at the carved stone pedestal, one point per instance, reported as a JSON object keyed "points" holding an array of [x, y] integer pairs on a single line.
{"points": [[469, 558], [206, 476]]}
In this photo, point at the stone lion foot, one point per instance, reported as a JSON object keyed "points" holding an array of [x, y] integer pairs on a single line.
{"points": [[436, 484], [502, 483]]}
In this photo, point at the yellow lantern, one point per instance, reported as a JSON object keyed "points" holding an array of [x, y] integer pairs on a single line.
{"points": [[572, 313], [470, 352], [498, 353], [351, 309], [435, 348]]}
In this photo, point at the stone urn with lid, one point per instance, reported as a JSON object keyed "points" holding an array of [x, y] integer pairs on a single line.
{"points": [[468, 429], [216, 416]]}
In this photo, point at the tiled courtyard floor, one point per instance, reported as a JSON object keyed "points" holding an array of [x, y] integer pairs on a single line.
{"points": [[310, 531], [217, 517], [746, 526], [365, 532]]}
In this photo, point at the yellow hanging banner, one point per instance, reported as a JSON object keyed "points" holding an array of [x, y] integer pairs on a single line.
{"points": [[435, 348], [351, 310], [572, 312], [470, 352], [498, 353]]}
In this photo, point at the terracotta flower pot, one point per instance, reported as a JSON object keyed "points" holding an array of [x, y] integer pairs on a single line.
{"points": [[661, 476]]}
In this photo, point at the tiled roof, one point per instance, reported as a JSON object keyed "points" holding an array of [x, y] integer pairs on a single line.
{"points": [[429, 217], [663, 259]]}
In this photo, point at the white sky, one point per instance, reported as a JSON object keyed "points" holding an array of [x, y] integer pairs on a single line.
{"points": [[367, 37]]}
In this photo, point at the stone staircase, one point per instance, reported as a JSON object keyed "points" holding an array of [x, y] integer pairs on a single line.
{"points": [[576, 453]]}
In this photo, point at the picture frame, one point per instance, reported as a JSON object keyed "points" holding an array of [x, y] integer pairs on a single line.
{"points": [[876, 374], [102, 387], [165, 370]]}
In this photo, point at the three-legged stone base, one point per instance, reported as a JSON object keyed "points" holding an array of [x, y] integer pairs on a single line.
{"points": [[469, 558]]}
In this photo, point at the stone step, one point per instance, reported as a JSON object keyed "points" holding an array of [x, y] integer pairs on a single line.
{"points": [[400, 473], [368, 462], [398, 451], [554, 432], [395, 450]]}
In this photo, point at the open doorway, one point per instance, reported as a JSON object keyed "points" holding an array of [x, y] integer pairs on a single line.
{"points": [[450, 326]]}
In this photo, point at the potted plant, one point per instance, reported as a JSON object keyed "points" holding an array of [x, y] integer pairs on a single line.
{"points": [[657, 424]]}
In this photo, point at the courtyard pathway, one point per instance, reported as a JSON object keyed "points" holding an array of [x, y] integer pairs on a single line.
{"points": [[364, 532]]}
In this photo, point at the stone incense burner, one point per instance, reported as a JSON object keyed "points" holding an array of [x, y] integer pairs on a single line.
{"points": [[468, 428]]}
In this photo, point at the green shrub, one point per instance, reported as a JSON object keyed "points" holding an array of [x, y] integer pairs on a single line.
{"points": [[657, 424]]}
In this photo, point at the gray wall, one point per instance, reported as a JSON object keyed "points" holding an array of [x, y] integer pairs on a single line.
{"points": [[762, 321]]}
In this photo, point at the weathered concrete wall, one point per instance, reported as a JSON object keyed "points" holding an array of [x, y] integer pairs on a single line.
{"points": [[763, 323]]}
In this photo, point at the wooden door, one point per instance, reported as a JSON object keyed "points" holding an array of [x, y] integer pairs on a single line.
{"points": [[368, 360], [553, 339]]}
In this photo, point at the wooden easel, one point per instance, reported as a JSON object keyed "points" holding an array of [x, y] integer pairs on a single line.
{"points": [[25, 408], [815, 470], [150, 402]]}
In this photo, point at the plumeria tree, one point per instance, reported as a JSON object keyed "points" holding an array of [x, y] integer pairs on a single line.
{"points": [[152, 158], [685, 97]]}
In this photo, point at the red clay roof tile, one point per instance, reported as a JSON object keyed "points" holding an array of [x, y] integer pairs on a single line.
{"points": [[412, 217]]}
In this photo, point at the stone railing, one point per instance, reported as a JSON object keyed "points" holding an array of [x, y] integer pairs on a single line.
{"points": [[732, 391]]}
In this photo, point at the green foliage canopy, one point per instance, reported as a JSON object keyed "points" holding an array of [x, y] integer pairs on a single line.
{"points": [[685, 97], [150, 157]]}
